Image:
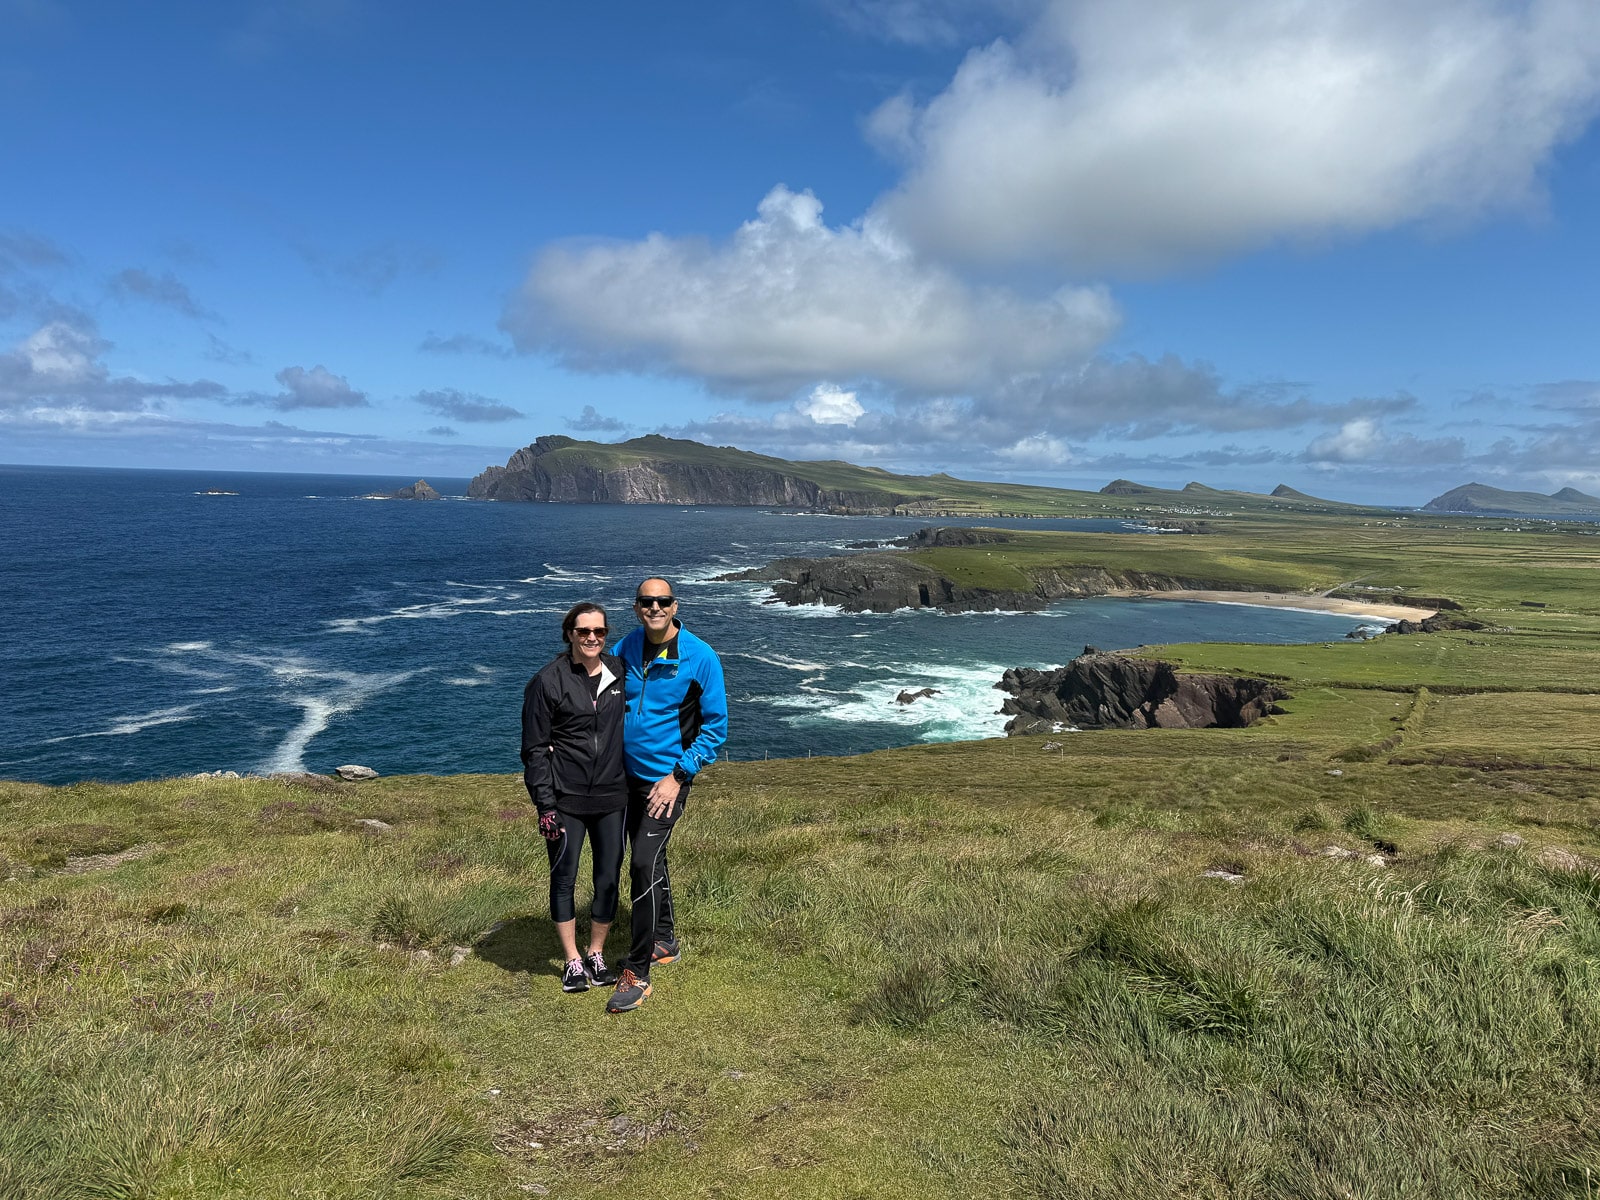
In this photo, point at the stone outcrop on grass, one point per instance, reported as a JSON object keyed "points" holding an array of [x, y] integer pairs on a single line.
{"points": [[1112, 691]]}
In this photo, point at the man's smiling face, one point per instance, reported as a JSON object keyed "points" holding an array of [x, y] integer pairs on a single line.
{"points": [[655, 606]]}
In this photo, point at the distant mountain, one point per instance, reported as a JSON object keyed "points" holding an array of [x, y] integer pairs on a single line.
{"points": [[1282, 496], [1481, 498]]}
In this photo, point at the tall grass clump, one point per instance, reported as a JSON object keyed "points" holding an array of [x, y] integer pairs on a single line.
{"points": [[1325, 1030]]}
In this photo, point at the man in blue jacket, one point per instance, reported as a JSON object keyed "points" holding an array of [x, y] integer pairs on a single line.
{"points": [[676, 717]]}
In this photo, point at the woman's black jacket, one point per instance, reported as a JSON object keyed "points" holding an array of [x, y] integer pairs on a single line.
{"points": [[572, 738]]}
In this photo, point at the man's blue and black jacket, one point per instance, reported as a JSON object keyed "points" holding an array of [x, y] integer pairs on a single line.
{"points": [[677, 705]]}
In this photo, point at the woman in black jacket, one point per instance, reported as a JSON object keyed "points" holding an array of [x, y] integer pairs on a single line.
{"points": [[572, 763]]}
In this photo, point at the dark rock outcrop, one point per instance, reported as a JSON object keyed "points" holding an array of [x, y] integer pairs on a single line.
{"points": [[910, 697], [1435, 623], [420, 490], [879, 583], [947, 535], [1111, 691]]}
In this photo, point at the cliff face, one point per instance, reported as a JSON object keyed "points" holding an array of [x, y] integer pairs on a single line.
{"points": [[539, 473], [1110, 691]]}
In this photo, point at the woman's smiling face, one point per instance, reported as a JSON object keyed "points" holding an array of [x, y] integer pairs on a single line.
{"points": [[588, 636]]}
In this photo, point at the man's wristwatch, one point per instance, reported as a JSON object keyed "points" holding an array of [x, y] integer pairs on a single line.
{"points": [[683, 777]]}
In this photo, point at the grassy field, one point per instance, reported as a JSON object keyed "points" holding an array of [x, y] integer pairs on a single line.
{"points": [[1480, 564], [1352, 951]]}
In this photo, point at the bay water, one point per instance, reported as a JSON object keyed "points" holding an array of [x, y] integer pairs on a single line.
{"points": [[155, 628]]}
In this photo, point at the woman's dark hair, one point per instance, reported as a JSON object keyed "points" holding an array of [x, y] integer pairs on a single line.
{"points": [[570, 621]]}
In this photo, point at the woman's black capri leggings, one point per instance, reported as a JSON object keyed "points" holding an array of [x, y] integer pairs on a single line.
{"points": [[606, 836]]}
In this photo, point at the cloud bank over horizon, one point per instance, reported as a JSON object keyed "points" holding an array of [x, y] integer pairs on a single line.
{"points": [[968, 306], [1063, 238]]}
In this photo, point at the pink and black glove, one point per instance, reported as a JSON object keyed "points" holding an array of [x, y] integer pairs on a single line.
{"points": [[550, 825]]}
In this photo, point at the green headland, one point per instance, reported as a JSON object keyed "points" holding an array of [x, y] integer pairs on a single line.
{"points": [[1350, 951]]}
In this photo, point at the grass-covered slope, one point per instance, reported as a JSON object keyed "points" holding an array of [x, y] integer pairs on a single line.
{"points": [[1475, 563], [989, 968], [1481, 498], [1352, 951]]}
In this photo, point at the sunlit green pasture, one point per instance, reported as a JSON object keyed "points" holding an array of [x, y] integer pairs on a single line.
{"points": [[1351, 951]]}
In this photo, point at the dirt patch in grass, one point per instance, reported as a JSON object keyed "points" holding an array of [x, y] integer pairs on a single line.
{"points": [[585, 1134], [53, 845], [89, 863], [297, 816]]}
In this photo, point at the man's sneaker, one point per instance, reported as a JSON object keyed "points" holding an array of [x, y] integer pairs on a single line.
{"points": [[667, 950], [631, 992], [599, 974], [575, 978]]}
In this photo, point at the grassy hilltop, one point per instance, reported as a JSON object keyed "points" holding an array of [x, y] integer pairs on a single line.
{"points": [[1353, 951]]}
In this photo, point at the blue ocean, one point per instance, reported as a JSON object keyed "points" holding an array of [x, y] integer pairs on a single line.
{"points": [[157, 628]]}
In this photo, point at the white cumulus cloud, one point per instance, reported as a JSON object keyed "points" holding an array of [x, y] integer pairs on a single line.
{"points": [[789, 300], [829, 405], [1148, 133], [60, 368]]}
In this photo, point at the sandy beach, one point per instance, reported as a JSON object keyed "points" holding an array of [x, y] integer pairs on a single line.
{"points": [[1327, 604]]}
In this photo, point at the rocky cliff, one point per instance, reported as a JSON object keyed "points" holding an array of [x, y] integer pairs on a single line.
{"points": [[658, 470], [1112, 691]]}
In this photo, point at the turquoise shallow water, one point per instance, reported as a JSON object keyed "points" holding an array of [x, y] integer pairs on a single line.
{"points": [[157, 631]]}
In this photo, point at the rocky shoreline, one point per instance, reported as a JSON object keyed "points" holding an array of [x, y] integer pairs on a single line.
{"points": [[887, 581]]}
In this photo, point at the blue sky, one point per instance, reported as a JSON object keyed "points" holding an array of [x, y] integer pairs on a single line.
{"points": [[1351, 246]]}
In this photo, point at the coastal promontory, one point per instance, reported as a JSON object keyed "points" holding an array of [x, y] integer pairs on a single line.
{"points": [[887, 581]]}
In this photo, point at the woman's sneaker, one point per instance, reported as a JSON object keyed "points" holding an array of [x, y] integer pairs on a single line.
{"points": [[575, 978], [667, 950], [599, 974]]}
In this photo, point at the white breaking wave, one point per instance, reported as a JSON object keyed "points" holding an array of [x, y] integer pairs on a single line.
{"points": [[349, 691], [435, 610], [967, 705], [320, 692], [779, 660], [565, 575], [134, 724]]}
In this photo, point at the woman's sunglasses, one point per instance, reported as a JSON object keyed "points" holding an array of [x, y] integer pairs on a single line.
{"points": [[590, 633]]}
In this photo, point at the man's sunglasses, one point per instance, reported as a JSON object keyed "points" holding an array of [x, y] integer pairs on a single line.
{"points": [[655, 601], [593, 631]]}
